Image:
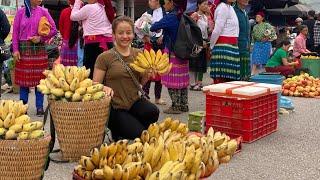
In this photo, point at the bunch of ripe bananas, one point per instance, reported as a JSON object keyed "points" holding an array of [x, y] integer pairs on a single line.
{"points": [[152, 61], [164, 151], [70, 83], [15, 124]]}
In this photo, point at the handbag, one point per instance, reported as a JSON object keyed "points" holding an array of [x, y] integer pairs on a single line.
{"points": [[5, 52], [143, 94], [44, 26]]}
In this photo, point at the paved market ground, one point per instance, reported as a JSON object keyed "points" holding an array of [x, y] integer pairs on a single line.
{"points": [[293, 152]]}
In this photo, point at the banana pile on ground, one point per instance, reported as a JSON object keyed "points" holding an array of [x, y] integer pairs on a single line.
{"points": [[164, 151], [152, 61], [15, 124], [70, 84]]}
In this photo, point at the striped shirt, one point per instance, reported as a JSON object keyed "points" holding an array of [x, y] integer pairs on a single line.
{"points": [[316, 34]]}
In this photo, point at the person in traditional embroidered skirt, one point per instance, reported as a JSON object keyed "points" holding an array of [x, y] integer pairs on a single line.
{"points": [[225, 61], [177, 81], [69, 32], [244, 38], [29, 49], [262, 36], [97, 30]]}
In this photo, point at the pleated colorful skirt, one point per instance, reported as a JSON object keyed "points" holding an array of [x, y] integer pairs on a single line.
{"points": [[178, 77], [69, 56], [33, 61], [225, 62]]}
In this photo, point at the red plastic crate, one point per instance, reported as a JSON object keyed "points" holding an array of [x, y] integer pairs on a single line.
{"points": [[240, 108], [241, 124], [248, 136]]}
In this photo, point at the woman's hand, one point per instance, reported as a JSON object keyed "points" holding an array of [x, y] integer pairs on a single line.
{"points": [[35, 39], [108, 91], [16, 56]]}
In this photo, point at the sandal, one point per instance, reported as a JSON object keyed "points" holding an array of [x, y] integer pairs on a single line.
{"points": [[160, 102]]}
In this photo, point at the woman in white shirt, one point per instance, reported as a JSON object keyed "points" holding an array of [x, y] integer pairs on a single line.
{"points": [[198, 65], [225, 60]]}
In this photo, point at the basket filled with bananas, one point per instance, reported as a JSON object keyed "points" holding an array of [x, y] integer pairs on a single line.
{"points": [[23, 144], [78, 107], [165, 150], [156, 62]]}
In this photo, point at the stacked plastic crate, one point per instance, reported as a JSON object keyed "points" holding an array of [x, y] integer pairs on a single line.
{"points": [[241, 108]]}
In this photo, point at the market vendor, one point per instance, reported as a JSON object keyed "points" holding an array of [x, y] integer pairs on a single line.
{"points": [[300, 46], [279, 61], [130, 114]]}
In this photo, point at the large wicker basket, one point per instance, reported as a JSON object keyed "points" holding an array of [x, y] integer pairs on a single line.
{"points": [[23, 159], [80, 126]]}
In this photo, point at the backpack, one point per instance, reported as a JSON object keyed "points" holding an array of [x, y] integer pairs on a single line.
{"points": [[189, 41]]}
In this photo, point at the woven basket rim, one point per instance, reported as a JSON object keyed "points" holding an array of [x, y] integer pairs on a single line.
{"points": [[107, 98], [47, 137]]}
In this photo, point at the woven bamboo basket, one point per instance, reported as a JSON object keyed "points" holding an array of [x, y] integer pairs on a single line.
{"points": [[80, 126], [23, 159]]}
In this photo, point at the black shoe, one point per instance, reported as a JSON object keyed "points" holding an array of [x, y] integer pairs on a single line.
{"points": [[40, 112], [184, 109]]}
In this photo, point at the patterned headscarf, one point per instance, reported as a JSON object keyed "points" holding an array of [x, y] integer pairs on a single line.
{"points": [[27, 5]]}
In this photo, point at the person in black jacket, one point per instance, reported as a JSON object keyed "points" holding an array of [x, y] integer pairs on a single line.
{"points": [[310, 24], [4, 27], [4, 31]]}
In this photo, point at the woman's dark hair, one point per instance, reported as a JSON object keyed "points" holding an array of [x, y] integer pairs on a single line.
{"points": [[301, 27], [121, 19], [200, 2], [74, 34], [285, 43], [224, 1]]}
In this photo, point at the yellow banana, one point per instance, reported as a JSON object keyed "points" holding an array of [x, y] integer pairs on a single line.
{"points": [[58, 71], [29, 127], [158, 151], [148, 56], [107, 173], [16, 128], [43, 89], [154, 176], [174, 125], [49, 84], [63, 84], [87, 97], [103, 150], [74, 84], [1, 123], [68, 94], [87, 73], [148, 153], [24, 119], [23, 136], [46, 72], [166, 167], [197, 161], [36, 134], [95, 156], [158, 57], [142, 61], [79, 170], [147, 170], [81, 90], [166, 69], [178, 167], [58, 92], [117, 172], [152, 58], [53, 80], [87, 175], [95, 88], [69, 74], [11, 135], [154, 130], [145, 136], [189, 156], [2, 131], [86, 83], [99, 95], [103, 162], [173, 152], [87, 163], [137, 68], [112, 149], [98, 174], [125, 174], [9, 120], [76, 97], [210, 132], [232, 147]]}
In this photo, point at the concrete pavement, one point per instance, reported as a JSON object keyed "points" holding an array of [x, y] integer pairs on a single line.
{"points": [[290, 153]]}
